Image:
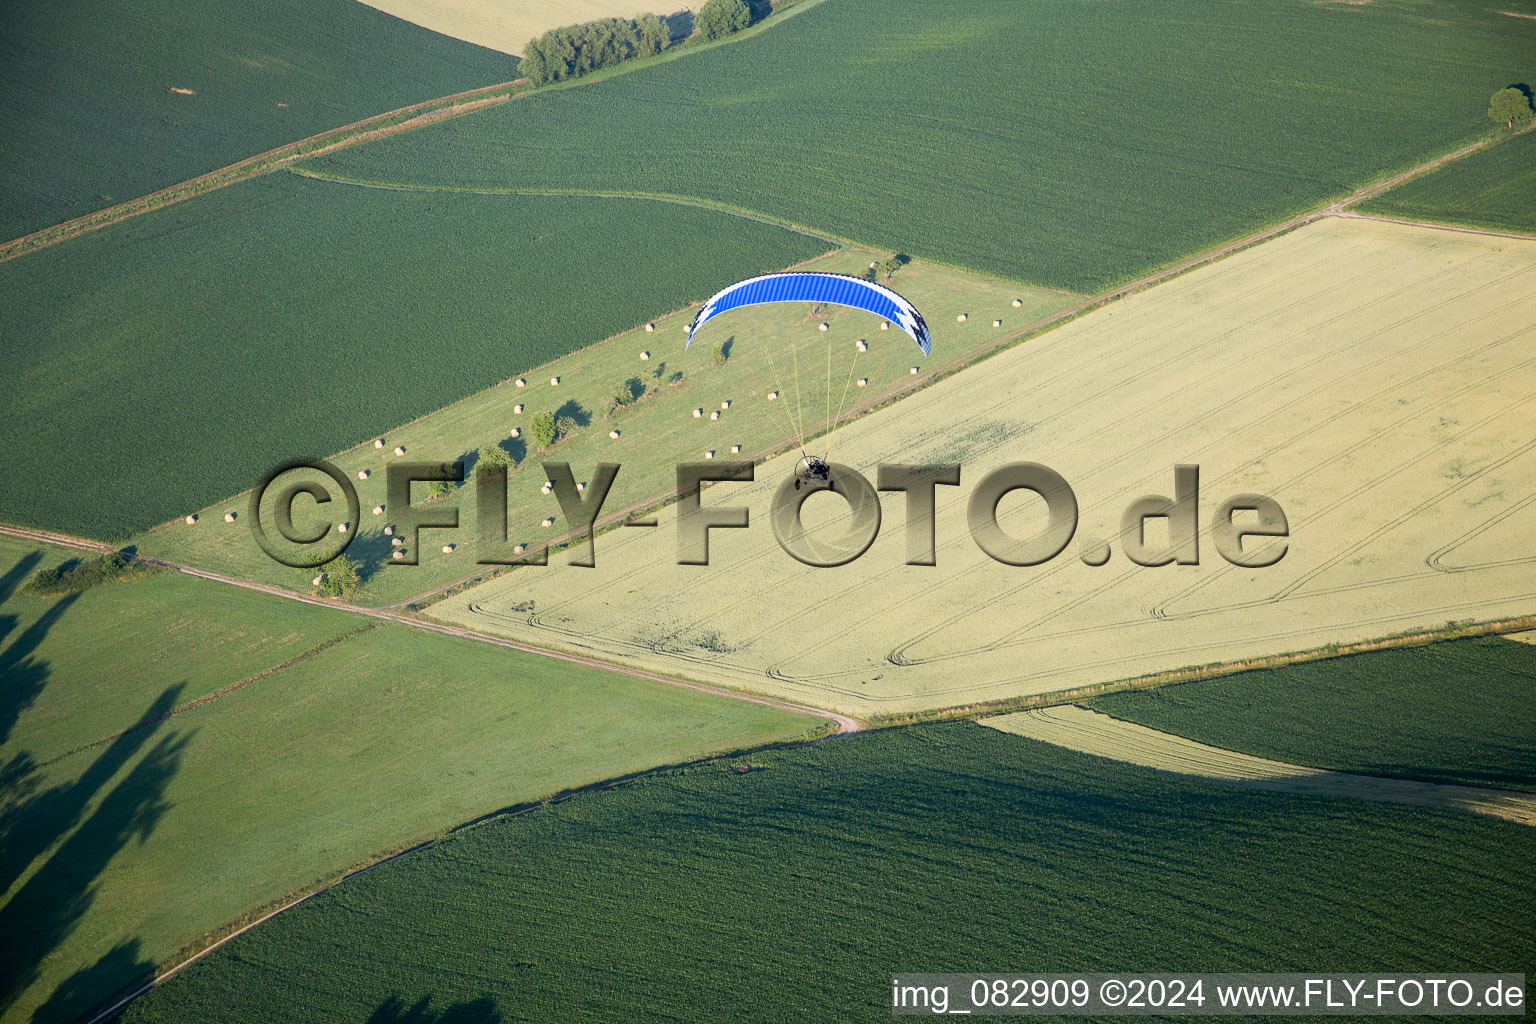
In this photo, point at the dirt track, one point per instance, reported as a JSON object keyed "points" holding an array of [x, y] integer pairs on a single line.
{"points": [[1090, 732], [845, 724]]}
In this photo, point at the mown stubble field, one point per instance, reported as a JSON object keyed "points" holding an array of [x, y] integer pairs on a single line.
{"points": [[1376, 380]]}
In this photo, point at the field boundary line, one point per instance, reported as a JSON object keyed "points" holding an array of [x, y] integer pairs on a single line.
{"points": [[1437, 225], [390, 122], [209, 698], [1211, 670], [846, 724]]}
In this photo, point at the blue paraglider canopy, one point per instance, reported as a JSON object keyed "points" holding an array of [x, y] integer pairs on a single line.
{"points": [[808, 286]]}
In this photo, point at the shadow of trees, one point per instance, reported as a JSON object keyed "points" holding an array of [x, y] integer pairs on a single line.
{"points": [[57, 840], [394, 1011]]}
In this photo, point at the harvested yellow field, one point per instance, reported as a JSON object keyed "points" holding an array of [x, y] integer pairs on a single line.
{"points": [[1378, 381], [506, 26], [1090, 732]]}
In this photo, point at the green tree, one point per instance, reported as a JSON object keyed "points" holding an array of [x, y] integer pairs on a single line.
{"points": [[719, 18], [492, 458], [888, 267], [1510, 106], [339, 577], [717, 355], [652, 34], [542, 427], [565, 426]]}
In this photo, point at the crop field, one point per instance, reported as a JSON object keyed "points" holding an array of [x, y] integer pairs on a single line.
{"points": [[789, 892], [130, 834], [107, 101], [508, 27], [176, 358], [765, 347], [1092, 732], [1375, 380], [1492, 189], [82, 666], [1070, 144], [1457, 712]]}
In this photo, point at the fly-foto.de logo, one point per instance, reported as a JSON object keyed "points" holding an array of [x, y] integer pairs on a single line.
{"points": [[1248, 530]]}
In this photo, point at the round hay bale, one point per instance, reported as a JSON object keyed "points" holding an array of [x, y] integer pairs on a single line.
{"points": [[229, 517], [362, 474], [378, 442], [649, 328], [521, 382], [581, 486], [554, 382], [714, 415], [517, 410], [862, 346], [400, 449], [549, 522], [735, 449], [997, 323], [378, 510], [1017, 303], [725, 404], [823, 327], [773, 396], [645, 357], [613, 434], [545, 489], [447, 549], [389, 531], [397, 542], [962, 318], [913, 371], [885, 325], [397, 554], [191, 520], [863, 382], [709, 454], [317, 580], [517, 432], [517, 549], [698, 413], [343, 527]]}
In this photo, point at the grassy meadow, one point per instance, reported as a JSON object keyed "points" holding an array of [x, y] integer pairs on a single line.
{"points": [[129, 834], [91, 116], [791, 891], [174, 359], [1457, 712], [1071, 144], [766, 347], [1494, 189]]}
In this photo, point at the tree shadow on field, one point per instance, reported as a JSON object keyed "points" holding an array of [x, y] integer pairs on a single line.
{"points": [[21, 675], [1530, 97], [680, 25], [66, 835], [576, 411], [394, 1011]]}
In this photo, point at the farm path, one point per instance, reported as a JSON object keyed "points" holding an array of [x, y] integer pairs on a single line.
{"points": [[1090, 732], [1436, 225], [846, 725]]}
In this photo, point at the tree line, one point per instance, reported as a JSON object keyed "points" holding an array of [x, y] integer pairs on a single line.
{"points": [[571, 52]]}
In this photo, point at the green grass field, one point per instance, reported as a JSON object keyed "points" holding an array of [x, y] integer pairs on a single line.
{"points": [[154, 832], [80, 667], [176, 358], [1458, 712], [768, 347], [1071, 144], [792, 892], [90, 118], [1493, 189]]}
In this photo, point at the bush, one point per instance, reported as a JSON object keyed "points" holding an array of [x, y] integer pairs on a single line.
{"points": [[565, 426], [493, 458], [339, 577], [543, 429], [717, 355], [77, 574], [719, 18]]}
